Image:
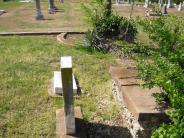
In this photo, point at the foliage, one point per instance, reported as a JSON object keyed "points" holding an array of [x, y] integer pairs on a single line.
{"points": [[165, 68], [94, 42], [106, 26], [93, 10], [156, 9], [116, 27]]}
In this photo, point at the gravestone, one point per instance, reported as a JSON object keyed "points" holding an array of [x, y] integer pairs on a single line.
{"points": [[164, 10], [146, 4], [51, 6], [180, 6], [117, 2], [57, 84], [39, 15], [160, 2], [170, 4], [67, 84]]}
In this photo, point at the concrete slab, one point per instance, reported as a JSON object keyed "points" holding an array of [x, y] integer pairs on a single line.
{"points": [[60, 130], [120, 73], [127, 63], [57, 83], [130, 81], [141, 103]]}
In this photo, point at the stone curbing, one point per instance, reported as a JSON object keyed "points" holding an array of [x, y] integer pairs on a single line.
{"points": [[140, 112], [132, 124], [38, 33]]}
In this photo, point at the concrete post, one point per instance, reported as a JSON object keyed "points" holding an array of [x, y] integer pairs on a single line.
{"points": [[39, 15], [170, 4], [164, 10], [146, 4], [117, 2], [67, 84], [160, 2], [51, 6], [180, 8]]}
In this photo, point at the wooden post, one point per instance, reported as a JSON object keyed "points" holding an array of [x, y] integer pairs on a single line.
{"points": [[67, 84]]}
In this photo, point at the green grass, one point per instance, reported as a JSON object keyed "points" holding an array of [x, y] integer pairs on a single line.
{"points": [[26, 66], [9, 4]]}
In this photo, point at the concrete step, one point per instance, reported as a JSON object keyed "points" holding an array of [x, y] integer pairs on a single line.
{"points": [[122, 73], [139, 101], [57, 84]]}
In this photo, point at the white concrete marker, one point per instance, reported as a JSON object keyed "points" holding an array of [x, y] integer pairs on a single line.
{"points": [[67, 84], [57, 83]]}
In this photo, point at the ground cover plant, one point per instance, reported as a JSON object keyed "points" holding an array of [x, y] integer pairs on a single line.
{"points": [[27, 65], [164, 67]]}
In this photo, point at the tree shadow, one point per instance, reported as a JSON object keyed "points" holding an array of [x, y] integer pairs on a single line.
{"points": [[87, 129]]}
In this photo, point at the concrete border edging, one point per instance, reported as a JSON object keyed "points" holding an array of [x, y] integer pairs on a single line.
{"points": [[38, 33]]}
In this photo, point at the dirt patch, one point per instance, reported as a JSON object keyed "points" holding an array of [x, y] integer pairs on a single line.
{"points": [[70, 38]]}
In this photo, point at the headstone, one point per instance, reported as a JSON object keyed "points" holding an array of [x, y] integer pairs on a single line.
{"points": [[51, 6], [164, 10], [117, 2], [57, 83], [180, 7], [170, 4], [39, 15], [146, 4], [67, 84], [160, 2]]}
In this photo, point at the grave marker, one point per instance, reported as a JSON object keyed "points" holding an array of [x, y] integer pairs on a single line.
{"points": [[180, 7], [67, 84], [146, 4], [164, 10], [57, 84], [170, 4], [39, 15]]}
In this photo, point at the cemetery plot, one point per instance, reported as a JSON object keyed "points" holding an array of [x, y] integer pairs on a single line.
{"points": [[27, 63], [140, 111]]}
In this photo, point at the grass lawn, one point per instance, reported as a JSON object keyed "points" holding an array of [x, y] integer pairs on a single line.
{"points": [[27, 65], [21, 17]]}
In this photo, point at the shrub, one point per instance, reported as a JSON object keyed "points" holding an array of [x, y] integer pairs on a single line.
{"points": [[106, 26], [116, 27], [166, 69]]}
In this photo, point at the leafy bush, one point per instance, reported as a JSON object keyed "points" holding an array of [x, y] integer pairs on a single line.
{"points": [[95, 9], [93, 42], [114, 26], [107, 29], [106, 26], [165, 68]]}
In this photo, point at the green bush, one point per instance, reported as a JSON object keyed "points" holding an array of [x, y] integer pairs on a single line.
{"points": [[165, 68], [106, 26], [116, 27]]}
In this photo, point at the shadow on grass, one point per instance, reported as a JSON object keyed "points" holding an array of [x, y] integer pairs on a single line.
{"points": [[86, 129]]}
